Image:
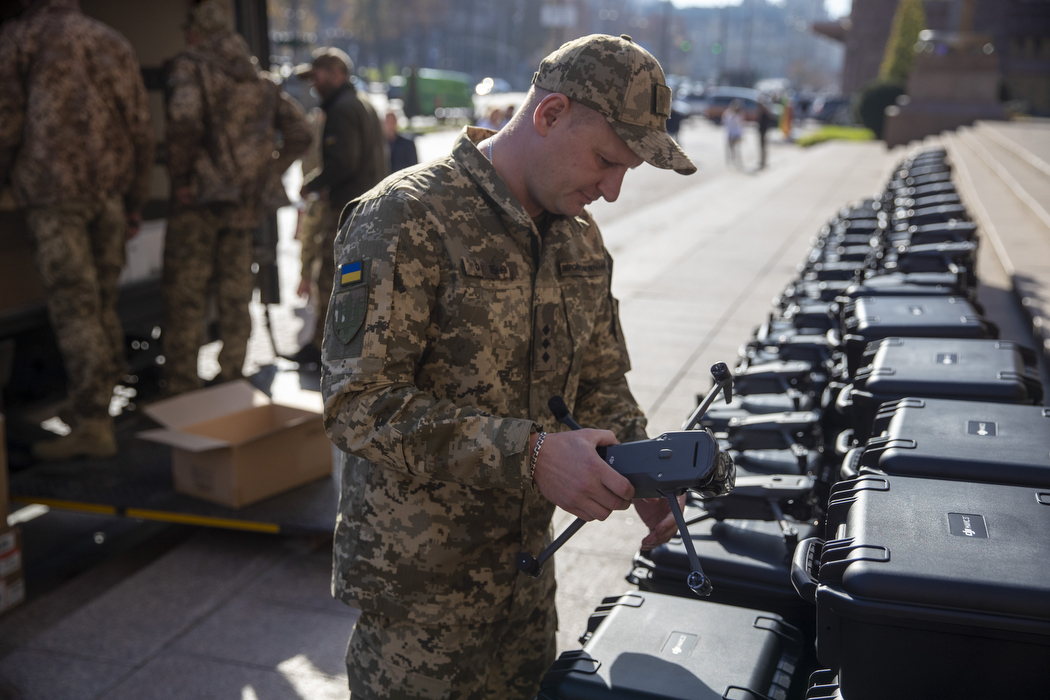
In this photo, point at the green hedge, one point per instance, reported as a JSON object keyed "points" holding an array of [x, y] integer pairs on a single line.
{"points": [[873, 101]]}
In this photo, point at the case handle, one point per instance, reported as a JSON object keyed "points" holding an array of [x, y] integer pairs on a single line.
{"points": [[835, 561], [567, 663], [795, 636], [802, 565], [752, 693]]}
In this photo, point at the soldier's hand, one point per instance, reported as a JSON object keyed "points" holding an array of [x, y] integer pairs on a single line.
{"points": [[134, 224], [656, 514], [571, 475], [184, 196], [304, 288]]}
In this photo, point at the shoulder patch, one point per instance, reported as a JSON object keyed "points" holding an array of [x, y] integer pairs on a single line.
{"points": [[350, 301], [352, 273]]}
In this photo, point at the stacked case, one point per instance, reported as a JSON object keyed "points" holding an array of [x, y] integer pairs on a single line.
{"points": [[893, 502]]}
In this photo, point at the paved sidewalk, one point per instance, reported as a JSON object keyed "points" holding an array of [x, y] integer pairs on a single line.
{"points": [[235, 616]]}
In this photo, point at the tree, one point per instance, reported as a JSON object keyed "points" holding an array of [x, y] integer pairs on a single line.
{"points": [[909, 20]]}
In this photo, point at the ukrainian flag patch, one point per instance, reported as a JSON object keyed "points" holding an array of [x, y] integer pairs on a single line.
{"points": [[350, 272]]}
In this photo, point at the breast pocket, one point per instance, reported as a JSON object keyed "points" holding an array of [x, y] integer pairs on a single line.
{"points": [[492, 322]]}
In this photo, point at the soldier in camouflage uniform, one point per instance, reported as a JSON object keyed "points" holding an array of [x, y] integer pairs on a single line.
{"points": [[225, 166], [312, 214], [77, 146], [468, 292]]}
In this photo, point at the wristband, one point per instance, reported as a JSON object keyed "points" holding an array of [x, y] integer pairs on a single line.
{"points": [[536, 456]]}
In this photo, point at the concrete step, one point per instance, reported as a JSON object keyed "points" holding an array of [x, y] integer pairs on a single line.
{"points": [[1030, 140], [1027, 175], [1019, 234]]}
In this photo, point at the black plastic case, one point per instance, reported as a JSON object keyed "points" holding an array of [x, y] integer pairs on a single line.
{"points": [[775, 431], [932, 589], [901, 284], [872, 318], [745, 405], [999, 371], [657, 647], [797, 461], [780, 376], [749, 562], [946, 231], [965, 440]]}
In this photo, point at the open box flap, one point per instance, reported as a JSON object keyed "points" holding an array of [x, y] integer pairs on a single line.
{"points": [[185, 441], [199, 406]]}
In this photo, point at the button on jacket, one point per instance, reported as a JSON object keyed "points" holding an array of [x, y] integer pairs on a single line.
{"points": [[445, 339]]}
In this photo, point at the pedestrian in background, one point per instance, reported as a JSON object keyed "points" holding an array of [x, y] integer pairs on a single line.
{"points": [[732, 120], [402, 149], [492, 120], [765, 123], [225, 165], [354, 158], [77, 146], [674, 123], [787, 116]]}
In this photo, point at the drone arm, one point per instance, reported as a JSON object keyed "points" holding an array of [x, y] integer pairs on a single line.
{"points": [[697, 581]]}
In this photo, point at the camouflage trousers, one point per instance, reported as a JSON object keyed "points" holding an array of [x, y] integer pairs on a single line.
{"points": [[79, 253], [458, 658], [314, 218], [325, 279], [202, 256]]}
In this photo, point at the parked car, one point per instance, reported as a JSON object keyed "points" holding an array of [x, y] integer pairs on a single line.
{"points": [[718, 99], [690, 101], [833, 109]]}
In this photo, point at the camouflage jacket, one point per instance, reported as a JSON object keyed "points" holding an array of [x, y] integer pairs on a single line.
{"points": [[74, 123], [223, 115], [443, 344]]}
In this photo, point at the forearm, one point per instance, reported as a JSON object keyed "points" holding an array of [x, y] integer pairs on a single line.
{"points": [[183, 144], [296, 135], [143, 171], [399, 427]]}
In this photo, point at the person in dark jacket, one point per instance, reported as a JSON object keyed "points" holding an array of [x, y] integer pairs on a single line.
{"points": [[354, 158], [402, 149], [765, 123]]}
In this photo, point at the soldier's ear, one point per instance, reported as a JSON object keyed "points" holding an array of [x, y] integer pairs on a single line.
{"points": [[552, 111]]}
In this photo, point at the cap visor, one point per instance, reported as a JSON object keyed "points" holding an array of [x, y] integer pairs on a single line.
{"points": [[304, 71], [656, 148]]}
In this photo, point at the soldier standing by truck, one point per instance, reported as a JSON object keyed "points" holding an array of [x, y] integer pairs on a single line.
{"points": [[77, 147], [354, 158], [225, 164]]}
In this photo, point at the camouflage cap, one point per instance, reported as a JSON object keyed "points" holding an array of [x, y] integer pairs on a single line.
{"points": [[209, 18], [325, 57], [623, 82]]}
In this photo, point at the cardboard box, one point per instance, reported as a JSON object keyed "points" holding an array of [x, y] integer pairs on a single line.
{"points": [[234, 447], [12, 583]]}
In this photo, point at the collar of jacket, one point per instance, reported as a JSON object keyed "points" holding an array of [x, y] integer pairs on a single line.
{"points": [[334, 97], [481, 171]]}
